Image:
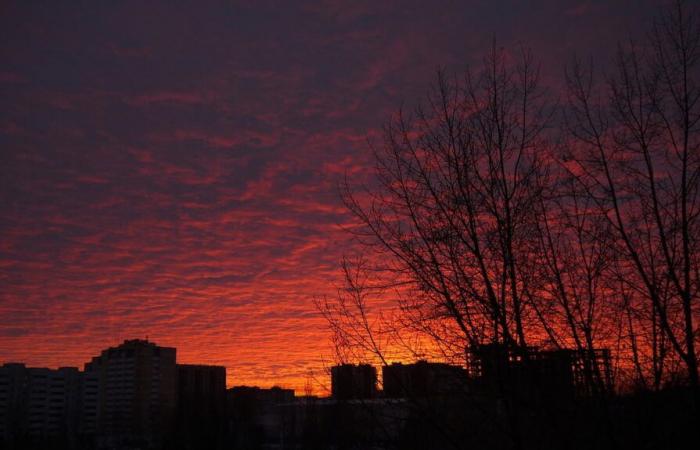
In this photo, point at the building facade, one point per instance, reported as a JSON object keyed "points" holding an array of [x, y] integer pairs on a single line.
{"points": [[136, 393], [201, 405], [423, 379], [39, 404], [350, 381]]}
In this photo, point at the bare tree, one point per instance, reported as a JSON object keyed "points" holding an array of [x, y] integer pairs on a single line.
{"points": [[453, 220], [575, 249], [486, 232], [637, 156], [456, 208]]}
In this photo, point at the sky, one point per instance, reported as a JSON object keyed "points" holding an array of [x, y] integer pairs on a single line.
{"points": [[169, 169]]}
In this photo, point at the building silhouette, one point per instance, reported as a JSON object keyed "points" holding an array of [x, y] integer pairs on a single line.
{"points": [[137, 393], [548, 373], [422, 379], [38, 403], [201, 405], [90, 403], [254, 415], [350, 381]]}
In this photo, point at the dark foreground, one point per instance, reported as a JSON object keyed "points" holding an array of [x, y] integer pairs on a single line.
{"points": [[257, 420]]}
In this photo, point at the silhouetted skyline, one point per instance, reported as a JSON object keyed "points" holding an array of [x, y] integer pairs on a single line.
{"points": [[136, 395]]}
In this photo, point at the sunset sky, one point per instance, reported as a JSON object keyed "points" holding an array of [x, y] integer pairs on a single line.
{"points": [[168, 169]]}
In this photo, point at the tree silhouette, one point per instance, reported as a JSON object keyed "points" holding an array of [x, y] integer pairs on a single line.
{"points": [[636, 155], [498, 218]]}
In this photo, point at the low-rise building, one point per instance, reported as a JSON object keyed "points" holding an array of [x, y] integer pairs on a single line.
{"points": [[201, 405], [423, 379]]}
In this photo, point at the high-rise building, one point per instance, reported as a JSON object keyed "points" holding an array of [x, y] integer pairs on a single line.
{"points": [[136, 395], [53, 401], [349, 381], [38, 403], [90, 403], [12, 381]]}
